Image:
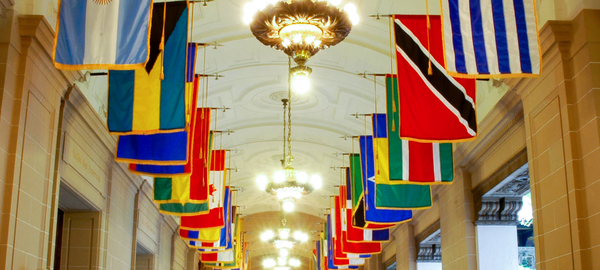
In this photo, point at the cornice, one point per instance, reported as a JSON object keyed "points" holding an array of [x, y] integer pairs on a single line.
{"points": [[35, 30]]}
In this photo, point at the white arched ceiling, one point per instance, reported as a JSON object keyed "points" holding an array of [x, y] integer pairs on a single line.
{"points": [[256, 80]]}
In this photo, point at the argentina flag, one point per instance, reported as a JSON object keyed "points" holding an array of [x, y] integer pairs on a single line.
{"points": [[102, 34], [491, 38]]}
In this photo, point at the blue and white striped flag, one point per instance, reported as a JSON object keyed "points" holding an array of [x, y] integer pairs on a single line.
{"points": [[102, 34], [491, 38]]}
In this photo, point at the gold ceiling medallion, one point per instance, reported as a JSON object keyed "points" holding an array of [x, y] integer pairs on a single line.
{"points": [[102, 2]]}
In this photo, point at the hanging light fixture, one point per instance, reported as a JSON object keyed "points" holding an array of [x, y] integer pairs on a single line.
{"points": [[284, 242], [288, 184], [300, 28]]}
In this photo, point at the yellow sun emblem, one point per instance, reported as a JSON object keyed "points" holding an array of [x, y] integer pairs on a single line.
{"points": [[102, 2]]}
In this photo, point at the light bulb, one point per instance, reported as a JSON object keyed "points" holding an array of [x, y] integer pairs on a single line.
{"points": [[301, 177], [309, 39], [260, 4], [284, 233], [304, 237], [297, 38], [297, 235], [283, 252], [301, 83], [266, 236], [294, 262], [279, 176], [288, 206], [316, 181], [286, 42], [351, 10], [281, 261], [262, 181], [268, 263], [317, 43]]}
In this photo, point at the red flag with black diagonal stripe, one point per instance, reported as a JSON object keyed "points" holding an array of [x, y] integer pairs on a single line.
{"points": [[434, 106]]}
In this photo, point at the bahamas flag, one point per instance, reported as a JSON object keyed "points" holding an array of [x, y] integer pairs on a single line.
{"points": [[387, 195], [93, 34], [356, 234], [152, 99], [215, 217], [369, 216], [193, 188], [174, 170], [161, 152], [411, 161]]}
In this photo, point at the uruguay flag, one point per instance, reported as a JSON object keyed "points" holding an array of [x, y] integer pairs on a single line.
{"points": [[491, 38], [102, 34]]}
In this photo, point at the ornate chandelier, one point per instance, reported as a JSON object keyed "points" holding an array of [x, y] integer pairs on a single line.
{"points": [[300, 28], [288, 184]]}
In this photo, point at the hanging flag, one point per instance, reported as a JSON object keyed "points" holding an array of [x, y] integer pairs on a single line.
{"points": [[210, 235], [102, 34], [174, 170], [336, 262], [356, 234], [411, 161], [367, 215], [195, 187], [358, 198], [318, 255], [491, 39], [436, 107], [387, 196], [215, 217], [235, 255], [152, 99], [225, 237], [153, 152], [345, 247]]}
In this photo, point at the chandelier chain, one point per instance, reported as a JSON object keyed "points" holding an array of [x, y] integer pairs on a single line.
{"points": [[289, 157]]}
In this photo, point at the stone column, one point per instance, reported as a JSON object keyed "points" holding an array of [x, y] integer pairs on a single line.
{"points": [[405, 247], [456, 223], [496, 234]]}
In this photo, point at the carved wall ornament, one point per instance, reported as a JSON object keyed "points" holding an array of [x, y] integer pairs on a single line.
{"points": [[499, 211], [515, 185]]}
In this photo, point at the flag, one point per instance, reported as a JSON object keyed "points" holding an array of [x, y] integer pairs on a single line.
{"points": [[210, 235], [153, 151], [152, 99], [195, 187], [339, 229], [369, 216], [436, 107], [411, 161], [225, 237], [235, 255], [174, 170], [491, 39], [102, 34], [215, 217], [358, 197], [335, 262], [318, 256], [355, 234], [385, 195]]}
